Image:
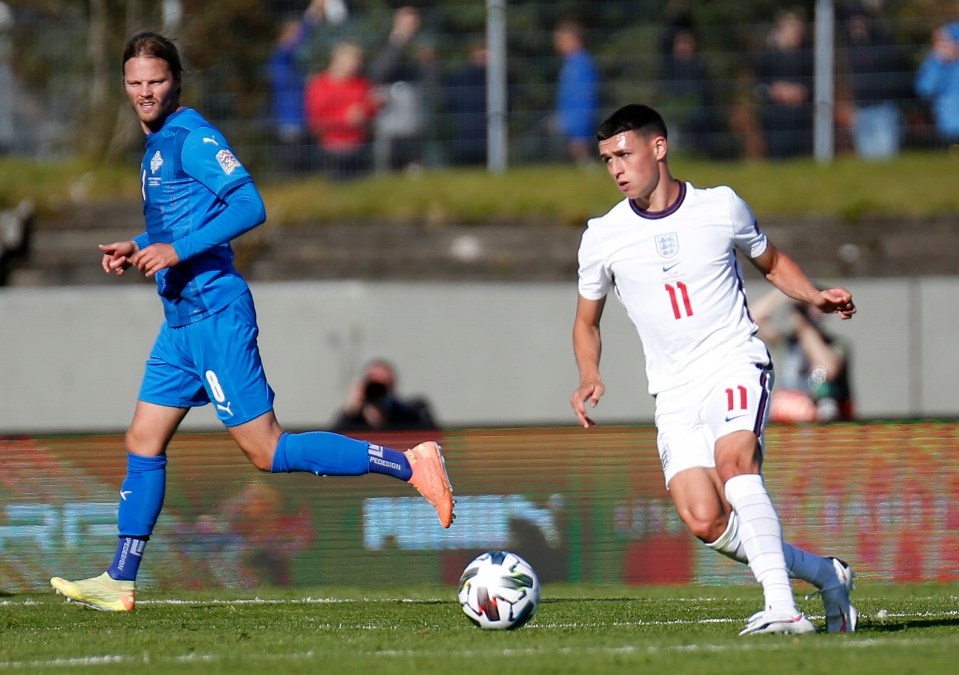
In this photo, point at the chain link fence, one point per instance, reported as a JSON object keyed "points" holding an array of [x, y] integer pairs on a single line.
{"points": [[408, 85]]}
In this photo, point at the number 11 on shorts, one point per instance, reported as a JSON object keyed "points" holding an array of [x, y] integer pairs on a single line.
{"points": [[731, 398]]}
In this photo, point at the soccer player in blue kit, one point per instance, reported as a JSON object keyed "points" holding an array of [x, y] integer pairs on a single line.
{"points": [[197, 198]]}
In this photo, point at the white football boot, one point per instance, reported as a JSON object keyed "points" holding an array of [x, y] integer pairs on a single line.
{"points": [[775, 622]]}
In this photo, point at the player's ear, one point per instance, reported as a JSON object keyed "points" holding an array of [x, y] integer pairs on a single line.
{"points": [[660, 147]]}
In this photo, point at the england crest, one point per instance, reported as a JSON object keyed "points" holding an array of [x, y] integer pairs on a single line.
{"points": [[667, 244]]}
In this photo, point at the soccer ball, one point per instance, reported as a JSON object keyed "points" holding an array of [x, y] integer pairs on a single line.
{"points": [[499, 590]]}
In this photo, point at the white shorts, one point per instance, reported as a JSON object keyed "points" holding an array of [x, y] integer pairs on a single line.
{"points": [[690, 418]]}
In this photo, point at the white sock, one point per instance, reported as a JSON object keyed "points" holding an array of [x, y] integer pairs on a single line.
{"points": [[801, 564], [729, 542], [762, 539]]}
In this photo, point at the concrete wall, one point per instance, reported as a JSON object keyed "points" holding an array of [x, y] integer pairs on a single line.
{"points": [[484, 354]]}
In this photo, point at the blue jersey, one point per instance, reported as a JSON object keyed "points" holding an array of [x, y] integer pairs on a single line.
{"points": [[188, 171]]}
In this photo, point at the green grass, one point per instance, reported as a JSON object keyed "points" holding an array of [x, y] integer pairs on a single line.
{"points": [[912, 184], [577, 629]]}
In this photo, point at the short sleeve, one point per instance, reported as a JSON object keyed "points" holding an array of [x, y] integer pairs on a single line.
{"points": [[207, 158], [595, 278], [747, 236]]}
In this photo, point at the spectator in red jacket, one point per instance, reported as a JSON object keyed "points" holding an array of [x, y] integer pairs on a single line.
{"points": [[340, 106]]}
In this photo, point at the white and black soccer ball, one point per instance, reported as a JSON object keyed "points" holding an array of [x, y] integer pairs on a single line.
{"points": [[499, 590]]}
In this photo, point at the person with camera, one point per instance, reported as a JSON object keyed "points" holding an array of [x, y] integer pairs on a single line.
{"points": [[813, 383], [374, 404]]}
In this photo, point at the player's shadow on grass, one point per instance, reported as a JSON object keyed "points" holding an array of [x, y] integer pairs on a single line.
{"points": [[890, 627]]}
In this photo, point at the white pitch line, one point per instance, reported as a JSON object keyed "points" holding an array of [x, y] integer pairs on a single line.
{"points": [[79, 661], [880, 615], [248, 601]]}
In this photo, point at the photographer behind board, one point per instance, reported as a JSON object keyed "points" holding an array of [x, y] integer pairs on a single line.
{"points": [[813, 382], [374, 404]]}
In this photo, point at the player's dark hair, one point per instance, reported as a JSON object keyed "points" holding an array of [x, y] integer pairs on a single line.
{"points": [[633, 117], [148, 43]]}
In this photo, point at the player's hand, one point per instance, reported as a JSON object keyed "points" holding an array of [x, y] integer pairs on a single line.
{"points": [[836, 301], [154, 258], [116, 256], [587, 391]]}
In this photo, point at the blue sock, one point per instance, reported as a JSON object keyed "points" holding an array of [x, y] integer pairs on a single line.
{"points": [[390, 462], [126, 562], [141, 495], [322, 453], [141, 498]]}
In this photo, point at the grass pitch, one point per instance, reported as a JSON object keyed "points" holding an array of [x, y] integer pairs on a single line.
{"points": [[577, 629]]}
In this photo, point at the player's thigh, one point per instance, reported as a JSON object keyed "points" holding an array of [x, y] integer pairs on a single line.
{"points": [[227, 357], [681, 438], [735, 413], [738, 453], [258, 438], [152, 428]]}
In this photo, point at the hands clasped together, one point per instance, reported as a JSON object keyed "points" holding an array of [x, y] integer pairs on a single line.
{"points": [[120, 255]]}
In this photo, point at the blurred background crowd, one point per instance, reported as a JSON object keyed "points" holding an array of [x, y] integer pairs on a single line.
{"points": [[351, 87]]}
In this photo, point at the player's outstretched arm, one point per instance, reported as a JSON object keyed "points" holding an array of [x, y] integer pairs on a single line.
{"points": [[587, 347], [117, 256], [783, 273]]}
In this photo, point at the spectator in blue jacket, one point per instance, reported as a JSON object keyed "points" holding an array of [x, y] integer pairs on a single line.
{"points": [[937, 81], [577, 95], [287, 76]]}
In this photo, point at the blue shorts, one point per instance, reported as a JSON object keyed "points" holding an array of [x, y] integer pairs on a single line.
{"points": [[213, 360]]}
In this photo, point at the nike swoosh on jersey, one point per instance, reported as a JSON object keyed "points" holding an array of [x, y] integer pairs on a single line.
{"points": [[666, 268]]}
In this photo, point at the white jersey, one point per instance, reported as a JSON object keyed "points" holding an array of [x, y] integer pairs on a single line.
{"points": [[678, 276]]}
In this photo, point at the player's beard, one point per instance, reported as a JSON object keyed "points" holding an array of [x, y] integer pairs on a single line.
{"points": [[154, 116]]}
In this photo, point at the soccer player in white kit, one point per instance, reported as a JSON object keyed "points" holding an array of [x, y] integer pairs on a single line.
{"points": [[669, 252]]}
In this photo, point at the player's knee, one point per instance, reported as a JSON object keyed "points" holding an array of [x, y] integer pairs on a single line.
{"points": [[258, 441], [705, 525], [143, 444], [261, 458]]}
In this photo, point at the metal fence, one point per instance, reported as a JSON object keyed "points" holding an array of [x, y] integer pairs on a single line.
{"points": [[730, 85]]}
